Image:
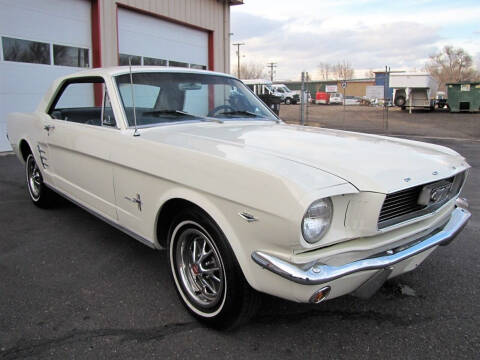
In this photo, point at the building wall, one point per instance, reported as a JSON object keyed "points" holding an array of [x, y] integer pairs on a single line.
{"points": [[356, 87], [210, 15]]}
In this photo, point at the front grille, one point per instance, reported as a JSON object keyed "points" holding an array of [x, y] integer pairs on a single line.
{"points": [[403, 205]]}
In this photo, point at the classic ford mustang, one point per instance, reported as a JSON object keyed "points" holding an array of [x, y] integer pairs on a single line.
{"points": [[192, 161]]}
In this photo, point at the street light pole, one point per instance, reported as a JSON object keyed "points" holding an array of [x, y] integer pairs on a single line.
{"points": [[238, 57], [272, 66]]}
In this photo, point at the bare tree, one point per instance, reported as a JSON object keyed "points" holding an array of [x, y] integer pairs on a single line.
{"points": [[343, 70], [369, 74], [325, 70], [250, 70], [451, 65]]}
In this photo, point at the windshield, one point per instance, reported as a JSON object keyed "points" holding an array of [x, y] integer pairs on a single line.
{"points": [[286, 89], [162, 97]]}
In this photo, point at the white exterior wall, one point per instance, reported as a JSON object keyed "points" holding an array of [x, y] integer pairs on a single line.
{"points": [[23, 84]]}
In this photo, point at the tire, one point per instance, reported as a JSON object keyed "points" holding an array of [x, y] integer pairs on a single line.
{"points": [[39, 193], [400, 101], [288, 101], [206, 274]]}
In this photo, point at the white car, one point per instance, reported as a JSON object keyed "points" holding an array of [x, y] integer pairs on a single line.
{"points": [[351, 100], [336, 98], [193, 162]]}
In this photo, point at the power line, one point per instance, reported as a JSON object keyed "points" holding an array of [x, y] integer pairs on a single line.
{"points": [[272, 66], [238, 57]]}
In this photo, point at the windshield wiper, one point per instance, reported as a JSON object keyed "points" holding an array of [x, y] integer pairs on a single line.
{"points": [[240, 112], [176, 113], [179, 113], [247, 114]]}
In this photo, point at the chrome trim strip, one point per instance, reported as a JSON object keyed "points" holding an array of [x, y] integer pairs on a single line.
{"points": [[107, 220], [318, 273]]}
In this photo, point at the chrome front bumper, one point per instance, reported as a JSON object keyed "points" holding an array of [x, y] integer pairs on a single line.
{"points": [[318, 273]]}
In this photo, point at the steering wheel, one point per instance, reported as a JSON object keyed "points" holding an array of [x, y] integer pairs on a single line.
{"points": [[225, 108]]}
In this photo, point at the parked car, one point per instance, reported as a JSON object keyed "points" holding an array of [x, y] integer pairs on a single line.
{"points": [[193, 162], [352, 100], [441, 100], [336, 98]]}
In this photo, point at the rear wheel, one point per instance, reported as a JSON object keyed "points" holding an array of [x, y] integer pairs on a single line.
{"points": [[400, 101], [206, 275], [38, 191]]}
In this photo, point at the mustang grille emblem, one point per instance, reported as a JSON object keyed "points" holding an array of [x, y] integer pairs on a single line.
{"points": [[434, 193]]}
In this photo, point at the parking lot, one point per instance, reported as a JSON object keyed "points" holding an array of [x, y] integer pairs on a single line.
{"points": [[438, 123], [71, 286]]}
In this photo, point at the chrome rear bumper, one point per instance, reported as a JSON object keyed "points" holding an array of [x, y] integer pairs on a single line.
{"points": [[318, 273]]}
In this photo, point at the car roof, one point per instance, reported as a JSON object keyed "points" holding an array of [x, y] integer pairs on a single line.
{"points": [[120, 70]]}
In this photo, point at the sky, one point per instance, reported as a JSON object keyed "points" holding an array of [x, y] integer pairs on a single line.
{"points": [[369, 34]]}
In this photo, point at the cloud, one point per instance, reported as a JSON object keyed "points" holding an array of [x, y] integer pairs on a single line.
{"points": [[368, 33], [399, 44], [245, 26]]}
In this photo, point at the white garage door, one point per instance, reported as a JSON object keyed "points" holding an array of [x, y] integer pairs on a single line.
{"points": [[40, 41], [151, 41]]}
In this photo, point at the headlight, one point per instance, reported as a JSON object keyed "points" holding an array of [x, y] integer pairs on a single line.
{"points": [[316, 220]]}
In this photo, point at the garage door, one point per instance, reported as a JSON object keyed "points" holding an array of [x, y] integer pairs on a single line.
{"points": [[40, 41], [152, 41]]}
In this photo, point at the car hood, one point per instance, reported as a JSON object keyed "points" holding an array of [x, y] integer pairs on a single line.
{"points": [[368, 162]]}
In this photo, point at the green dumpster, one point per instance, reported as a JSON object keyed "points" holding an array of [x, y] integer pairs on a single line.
{"points": [[463, 96]]}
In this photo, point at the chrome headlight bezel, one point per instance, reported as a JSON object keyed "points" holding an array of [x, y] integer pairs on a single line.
{"points": [[319, 214]]}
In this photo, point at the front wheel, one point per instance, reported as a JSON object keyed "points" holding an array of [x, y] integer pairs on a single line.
{"points": [[39, 193], [205, 272], [288, 101]]}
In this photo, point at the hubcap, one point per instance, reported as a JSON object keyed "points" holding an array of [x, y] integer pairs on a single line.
{"points": [[34, 178], [200, 268]]}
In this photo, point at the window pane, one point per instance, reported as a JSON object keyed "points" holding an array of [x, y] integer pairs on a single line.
{"points": [[199, 67], [153, 61], [25, 51], [145, 95], [123, 59], [77, 104], [177, 64], [108, 117], [70, 56], [163, 97]]}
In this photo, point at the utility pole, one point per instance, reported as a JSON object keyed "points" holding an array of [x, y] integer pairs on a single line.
{"points": [[302, 99], [307, 91], [272, 66], [238, 57], [387, 79]]}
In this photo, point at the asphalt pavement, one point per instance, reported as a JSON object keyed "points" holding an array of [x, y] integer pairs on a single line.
{"points": [[72, 286]]}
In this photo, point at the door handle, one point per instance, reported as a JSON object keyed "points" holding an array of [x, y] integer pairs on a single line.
{"points": [[49, 127]]}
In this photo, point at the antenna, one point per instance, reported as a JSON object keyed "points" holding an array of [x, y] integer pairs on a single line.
{"points": [[135, 133]]}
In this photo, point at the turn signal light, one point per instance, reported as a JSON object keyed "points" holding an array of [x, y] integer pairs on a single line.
{"points": [[320, 295]]}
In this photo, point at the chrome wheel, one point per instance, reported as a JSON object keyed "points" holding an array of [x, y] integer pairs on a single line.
{"points": [[34, 178], [199, 267]]}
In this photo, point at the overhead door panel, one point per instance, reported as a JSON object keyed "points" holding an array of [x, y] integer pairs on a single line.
{"points": [[40, 41], [150, 37]]}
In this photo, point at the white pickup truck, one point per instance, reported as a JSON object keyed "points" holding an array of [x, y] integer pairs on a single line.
{"points": [[287, 95]]}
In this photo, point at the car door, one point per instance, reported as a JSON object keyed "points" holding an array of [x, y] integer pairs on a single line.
{"points": [[79, 130]]}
